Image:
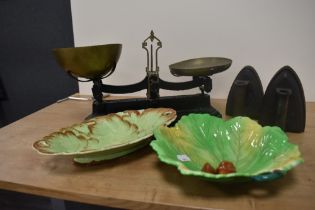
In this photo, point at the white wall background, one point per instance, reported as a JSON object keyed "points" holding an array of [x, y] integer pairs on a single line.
{"points": [[265, 34]]}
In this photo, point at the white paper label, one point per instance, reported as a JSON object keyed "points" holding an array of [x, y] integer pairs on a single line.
{"points": [[183, 158]]}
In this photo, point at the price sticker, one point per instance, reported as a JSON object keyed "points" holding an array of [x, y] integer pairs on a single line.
{"points": [[183, 158]]}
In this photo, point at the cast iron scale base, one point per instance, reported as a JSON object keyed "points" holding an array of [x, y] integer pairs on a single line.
{"points": [[183, 104], [200, 69]]}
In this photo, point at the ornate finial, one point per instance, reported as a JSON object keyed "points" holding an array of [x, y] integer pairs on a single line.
{"points": [[151, 52], [151, 45], [152, 36]]}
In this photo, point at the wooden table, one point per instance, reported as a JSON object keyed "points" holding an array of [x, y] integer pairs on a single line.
{"points": [[140, 180]]}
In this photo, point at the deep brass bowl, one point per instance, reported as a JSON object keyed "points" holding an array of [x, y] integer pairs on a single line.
{"points": [[91, 62], [200, 66]]}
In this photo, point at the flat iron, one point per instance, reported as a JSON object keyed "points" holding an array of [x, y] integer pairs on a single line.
{"points": [[246, 94], [284, 102]]}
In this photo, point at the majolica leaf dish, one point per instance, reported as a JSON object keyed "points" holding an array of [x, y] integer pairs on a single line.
{"points": [[106, 137], [200, 144]]}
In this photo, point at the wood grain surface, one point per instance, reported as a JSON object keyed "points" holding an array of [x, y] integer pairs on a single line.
{"points": [[140, 180]]}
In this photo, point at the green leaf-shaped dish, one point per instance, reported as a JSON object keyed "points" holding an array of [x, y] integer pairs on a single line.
{"points": [[258, 153], [106, 137]]}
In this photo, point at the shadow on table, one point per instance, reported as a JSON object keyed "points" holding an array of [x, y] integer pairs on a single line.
{"points": [[65, 164], [192, 185]]}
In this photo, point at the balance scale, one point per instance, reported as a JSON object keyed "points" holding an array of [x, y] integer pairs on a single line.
{"points": [[95, 63]]}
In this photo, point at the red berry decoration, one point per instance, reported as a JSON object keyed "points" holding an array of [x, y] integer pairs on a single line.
{"points": [[208, 168], [226, 167]]}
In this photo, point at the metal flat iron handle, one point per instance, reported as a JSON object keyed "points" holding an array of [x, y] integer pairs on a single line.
{"points": [[283, 95]]}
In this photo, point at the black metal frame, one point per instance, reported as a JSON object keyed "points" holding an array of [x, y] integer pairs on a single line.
{"points": [[183, 104], [204, 83]]}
